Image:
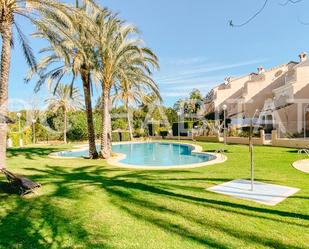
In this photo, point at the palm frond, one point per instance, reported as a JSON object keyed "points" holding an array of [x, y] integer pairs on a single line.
{"points": [[27, 50]]}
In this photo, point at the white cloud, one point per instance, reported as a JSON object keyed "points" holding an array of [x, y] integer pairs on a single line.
{"points": [[196, 73], [180, 82], [191, 80], [174, 94], [183, 61], [190, 87]]}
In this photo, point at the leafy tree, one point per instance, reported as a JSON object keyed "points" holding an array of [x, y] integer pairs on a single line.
{"points": [[171, 115], [65, 99], [190, 105]]}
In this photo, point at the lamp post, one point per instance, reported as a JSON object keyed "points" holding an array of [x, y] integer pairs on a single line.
{"points": [[224, 107], [33, 127], [251, 149], [19, 130], [305, 121], [151, 127], [178, 129]]}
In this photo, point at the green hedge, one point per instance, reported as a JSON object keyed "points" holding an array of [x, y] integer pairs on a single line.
{"points": [[139, 133], [26, 136], [121, 136], [163, 134], [184, 127], [153, 129], [124, 136], [115, 137]]}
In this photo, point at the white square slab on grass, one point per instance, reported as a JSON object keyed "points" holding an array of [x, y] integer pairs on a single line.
{"points": [[265, 193]]}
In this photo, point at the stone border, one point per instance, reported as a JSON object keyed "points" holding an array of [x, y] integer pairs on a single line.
{"points": [[115, 160], [302, 165]]}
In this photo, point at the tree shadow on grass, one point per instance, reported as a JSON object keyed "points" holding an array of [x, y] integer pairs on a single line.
{"points": [[30, 152], [132, 206], [122, 185], [39, 223], [214, 151], [96, 175], [6, 188], [293, 151], [132, 193]]}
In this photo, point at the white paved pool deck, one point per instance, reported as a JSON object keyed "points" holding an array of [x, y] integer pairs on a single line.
{"points": [[264, 193], [115, 160], [302, 165]]}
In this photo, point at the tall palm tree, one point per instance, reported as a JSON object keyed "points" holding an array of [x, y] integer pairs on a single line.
{"points": [[8, 11], [70, 46], [135, 91], [66, 99], [119, 55]]}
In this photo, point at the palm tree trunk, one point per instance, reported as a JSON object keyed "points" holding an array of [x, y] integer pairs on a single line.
{"points": [[65, 126], [106, 125], [93, 154], [4, 82], [129, 121], [109, 141]]}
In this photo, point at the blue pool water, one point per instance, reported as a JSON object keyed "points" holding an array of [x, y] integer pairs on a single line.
{"points": [[152, 154]]}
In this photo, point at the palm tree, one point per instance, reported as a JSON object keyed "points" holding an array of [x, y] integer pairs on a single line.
{"points": [[66, 99], [120, 55], [8, 11], [135, 91], [69, 45]]}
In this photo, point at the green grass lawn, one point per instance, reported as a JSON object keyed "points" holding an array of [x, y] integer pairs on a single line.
{"points": [[88, 204]]}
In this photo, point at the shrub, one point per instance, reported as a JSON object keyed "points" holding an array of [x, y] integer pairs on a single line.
{"points": [[184, 127], [77, 126], [41, 133], [125, 136], [150, 130], [163, 133], [233, 132], [115, 137], [244, 134], [119, 124], [14, 136], [139, 133], [175, 129]]}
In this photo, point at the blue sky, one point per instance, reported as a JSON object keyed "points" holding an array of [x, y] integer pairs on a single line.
{"points": [[195, 45]]}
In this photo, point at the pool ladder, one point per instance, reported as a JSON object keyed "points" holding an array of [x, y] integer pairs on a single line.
{"points": [[220, 151], [306, 151]]}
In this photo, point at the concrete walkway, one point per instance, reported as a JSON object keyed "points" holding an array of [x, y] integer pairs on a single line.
{"points": [[302, 165]]}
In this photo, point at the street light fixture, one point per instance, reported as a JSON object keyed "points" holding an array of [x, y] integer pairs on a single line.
{"points": [[33, 124], [19, 130], [224, 107]]}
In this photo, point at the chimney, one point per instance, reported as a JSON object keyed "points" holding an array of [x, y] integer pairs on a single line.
{"points": [[261, 70], [303, 56], [227, 80]]}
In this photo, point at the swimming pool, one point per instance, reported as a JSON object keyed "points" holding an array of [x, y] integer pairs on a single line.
{"points": [[152, 154]]}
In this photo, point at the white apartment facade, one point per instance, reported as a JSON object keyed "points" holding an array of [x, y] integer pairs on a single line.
{"points": [[278, 97]]}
